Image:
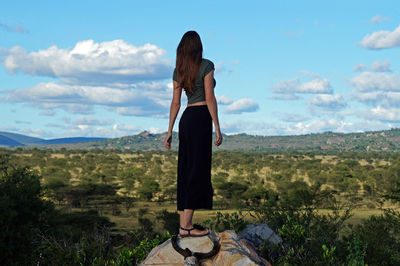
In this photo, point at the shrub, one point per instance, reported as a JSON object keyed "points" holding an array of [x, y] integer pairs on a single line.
{"points": [[221, 222], [22, 212]]}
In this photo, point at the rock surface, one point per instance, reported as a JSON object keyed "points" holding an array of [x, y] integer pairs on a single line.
{"points": [[233, 251], [257, 234]]}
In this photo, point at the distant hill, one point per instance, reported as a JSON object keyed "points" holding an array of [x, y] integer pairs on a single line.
{"points": [[13, 139], [385, 140], [4, 141], [19, 138], [67, 140]]}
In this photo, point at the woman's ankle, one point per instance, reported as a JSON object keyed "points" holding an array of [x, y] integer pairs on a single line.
{"points": [[187, 226]]}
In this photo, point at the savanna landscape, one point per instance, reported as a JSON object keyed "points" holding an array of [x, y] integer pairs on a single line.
{"points": [[110, 206]]}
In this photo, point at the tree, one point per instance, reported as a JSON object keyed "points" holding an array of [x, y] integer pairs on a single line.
{"points": [[148, 188], [21, 211], [230, 190]]}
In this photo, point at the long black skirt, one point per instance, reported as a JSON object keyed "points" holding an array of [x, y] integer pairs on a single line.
{"points": [[194, 189]]}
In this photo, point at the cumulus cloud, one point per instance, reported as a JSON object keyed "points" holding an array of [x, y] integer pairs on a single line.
{"points": [[242, 105], [384, 98], [368, 81], [379, 66], [145, 98], [381, 92], [382, 39], [223, 99], [321, 126], [84, 130], [259, 127], [327, 102], [377, 89], [378, 19], [289, 88], [251, 127], [92, 63], [116, 75], [383, 114]]}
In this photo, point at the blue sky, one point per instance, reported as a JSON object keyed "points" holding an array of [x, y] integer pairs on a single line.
{"points": [[104, 69]]}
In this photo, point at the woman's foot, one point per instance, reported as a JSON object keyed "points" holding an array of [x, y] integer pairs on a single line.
{"points": [[193, 231]]}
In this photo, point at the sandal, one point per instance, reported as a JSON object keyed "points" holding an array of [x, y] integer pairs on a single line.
{"points": [[196, 226], [199, 227]]}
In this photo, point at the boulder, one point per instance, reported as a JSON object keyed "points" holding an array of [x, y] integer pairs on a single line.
{"points": [[258, 234], [233, 251]]}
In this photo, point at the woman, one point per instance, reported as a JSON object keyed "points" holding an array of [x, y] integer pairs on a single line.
{"points": [[195, 75]]}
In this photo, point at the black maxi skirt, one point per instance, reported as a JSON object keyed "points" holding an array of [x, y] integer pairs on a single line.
{"points": [[194, 189]]}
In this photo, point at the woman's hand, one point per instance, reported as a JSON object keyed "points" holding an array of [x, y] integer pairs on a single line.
{"points": [[218, 138], [168, 140]]}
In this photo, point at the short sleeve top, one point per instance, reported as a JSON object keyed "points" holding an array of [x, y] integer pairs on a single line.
{"points": [[198, 94]]}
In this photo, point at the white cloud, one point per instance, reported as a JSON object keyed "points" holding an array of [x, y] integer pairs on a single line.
{"points": [[92, 63], [368, 81], [259, 127], [156, 130], [242, 105], [142, 99], [321, 126], [316, 86], [359, 67], [379, 66], [114, 131], [382, 39], [378, 19], [223, 99], [377, 89], [384, 98], [327, 102], [251, 127], [288, 89], [384, 114]]}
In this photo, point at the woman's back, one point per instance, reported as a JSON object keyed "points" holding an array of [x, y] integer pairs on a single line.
{"points": [[198, 94]]}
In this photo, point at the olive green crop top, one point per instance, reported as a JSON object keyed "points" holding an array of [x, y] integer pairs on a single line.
{"points": [[198, 94]]}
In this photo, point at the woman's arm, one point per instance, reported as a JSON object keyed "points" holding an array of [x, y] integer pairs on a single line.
{"points": [[212, 104], [173, 112]]}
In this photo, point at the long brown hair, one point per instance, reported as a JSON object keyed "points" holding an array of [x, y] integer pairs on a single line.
{"points": [[188, 59]]}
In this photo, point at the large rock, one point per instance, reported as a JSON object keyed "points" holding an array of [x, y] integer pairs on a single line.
{"points": [[258, 234], [233, 251]]}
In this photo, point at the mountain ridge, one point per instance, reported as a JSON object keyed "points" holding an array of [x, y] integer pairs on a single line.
{"points": [[10, 139], [380, 141]]}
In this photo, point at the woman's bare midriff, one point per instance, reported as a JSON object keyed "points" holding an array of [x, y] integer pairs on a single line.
{"points": [[198, 103]]}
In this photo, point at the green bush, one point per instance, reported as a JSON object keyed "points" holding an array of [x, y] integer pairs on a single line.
{"points": [[170, 221], [379, 238], [23, 212], [133, 256], [221, 222]]}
